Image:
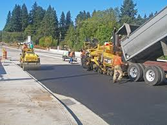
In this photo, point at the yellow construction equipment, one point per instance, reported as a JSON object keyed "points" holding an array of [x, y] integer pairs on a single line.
{"points": [[29, 60], [99, 58]]}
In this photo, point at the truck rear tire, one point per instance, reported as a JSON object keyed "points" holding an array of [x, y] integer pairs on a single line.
{"points": [[162, 75], [152, 75], [143, 69], [135, 72]]}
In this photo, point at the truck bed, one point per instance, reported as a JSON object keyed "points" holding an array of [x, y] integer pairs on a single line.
{"points": [[145, 42]]}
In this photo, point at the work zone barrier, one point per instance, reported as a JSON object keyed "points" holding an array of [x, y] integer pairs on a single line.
{"points": [[4, 54]]}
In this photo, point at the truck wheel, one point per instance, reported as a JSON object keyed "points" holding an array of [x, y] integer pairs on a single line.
{"points": [[135, 72], [143, 69], [162, 75], [152, 75]]}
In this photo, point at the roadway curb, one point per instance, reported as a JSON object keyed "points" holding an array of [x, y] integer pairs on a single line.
{"points": [[66, 107]]}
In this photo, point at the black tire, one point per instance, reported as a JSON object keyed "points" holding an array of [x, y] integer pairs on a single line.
{"points": [[83, 61], [152, 75], [108, 71], [162, 75], [143, 69], [95, 69], [100, 70], [135, 72], [88, 67]]}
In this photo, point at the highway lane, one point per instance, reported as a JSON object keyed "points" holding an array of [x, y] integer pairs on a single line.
{"points": [[128, 103]]}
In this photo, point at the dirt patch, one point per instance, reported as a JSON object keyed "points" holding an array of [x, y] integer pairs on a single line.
{"points": [[4, 101], [42, 98]]}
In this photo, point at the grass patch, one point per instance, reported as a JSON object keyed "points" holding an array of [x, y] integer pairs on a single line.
{"points": [[163, 57]]}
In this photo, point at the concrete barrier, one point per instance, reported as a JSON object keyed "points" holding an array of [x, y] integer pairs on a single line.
{"points": [[60, 52]]}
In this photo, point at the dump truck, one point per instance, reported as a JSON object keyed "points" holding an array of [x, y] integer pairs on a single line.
{"points": [[29, 60], [141, 46]]}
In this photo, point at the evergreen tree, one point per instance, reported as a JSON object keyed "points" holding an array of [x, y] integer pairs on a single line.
{"points": [[62, 26], [128, 12], [8, 23], [36, 15], [151, 15], [88, 15], [82, 16], [16, 19], [49, 25], [94, 12], [139, 20], [62, 20], [68, 19], [155, 13], [33, 13], [145, 16], [24, 15], [35, 18]]}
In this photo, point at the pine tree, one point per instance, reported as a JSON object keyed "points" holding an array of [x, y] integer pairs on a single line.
{"points": [[68, 20], [62, 20], [62, 26], [36, 16], [16, 19], [139, 20], [128, 12], [151, 15], [8, 23], [94, 12], [155, 13], [33, 13], [24, 15], [82, 16], [49, 25], [88, 15]]}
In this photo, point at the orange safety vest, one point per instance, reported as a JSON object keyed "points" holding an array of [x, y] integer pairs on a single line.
{"points": [[117, 61]]}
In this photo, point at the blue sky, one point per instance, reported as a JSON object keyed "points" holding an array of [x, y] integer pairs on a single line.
{"points": [[143, 6]]}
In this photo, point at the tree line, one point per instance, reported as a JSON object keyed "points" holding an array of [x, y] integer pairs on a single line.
{"points": [[47, 30]]}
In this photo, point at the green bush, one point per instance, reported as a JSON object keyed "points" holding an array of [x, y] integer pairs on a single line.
{"points": [[47, 41]]}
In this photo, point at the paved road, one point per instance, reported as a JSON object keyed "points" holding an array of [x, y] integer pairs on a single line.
{"points": [[120, 104]]}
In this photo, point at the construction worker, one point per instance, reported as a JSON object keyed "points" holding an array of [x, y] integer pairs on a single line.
{"points": [[83, 54], [116, 63], [31, 46], [71, 55], [24, 47]]}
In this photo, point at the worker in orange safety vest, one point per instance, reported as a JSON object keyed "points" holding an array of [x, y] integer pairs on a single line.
{"points": [[116, 63]]}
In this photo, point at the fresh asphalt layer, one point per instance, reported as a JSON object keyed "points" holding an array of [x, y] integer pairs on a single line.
{"points": [[118, 104], [129, 103]]}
